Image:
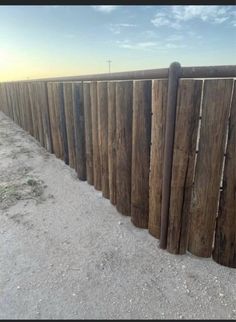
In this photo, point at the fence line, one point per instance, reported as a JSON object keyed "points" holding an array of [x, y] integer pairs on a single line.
{"points": [[134, 137]]}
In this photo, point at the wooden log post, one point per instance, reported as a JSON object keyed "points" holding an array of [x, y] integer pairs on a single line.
{"points": [[23, 106], [12, 91], [225, 237], [19, 104], [174, 74], [112, 140], [9, 105], [103, 135], [78, 110], [43, 100], [3, 100], [54, 122], [186, 128], [159, 101], [124, 103], [96, 153], [88, 133], [69, 116], [204, 202], [62, 119], [141, 140], [39, 112], [33, 108], [28, 108]]}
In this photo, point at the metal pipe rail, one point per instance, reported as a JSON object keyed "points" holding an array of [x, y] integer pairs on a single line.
{"points": [[186, 72]]}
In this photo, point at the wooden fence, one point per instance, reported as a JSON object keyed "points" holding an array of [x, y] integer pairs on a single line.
{"points": [[160, 145]]}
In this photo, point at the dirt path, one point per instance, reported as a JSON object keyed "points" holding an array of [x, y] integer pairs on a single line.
{"points": [[66, 252]]}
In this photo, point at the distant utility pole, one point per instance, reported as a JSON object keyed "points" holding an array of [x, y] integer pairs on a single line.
{"points": [[109, 63]]}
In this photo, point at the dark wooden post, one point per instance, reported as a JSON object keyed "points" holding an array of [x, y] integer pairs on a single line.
{"points": [[78, 111], [174, 74], [141, 141]]}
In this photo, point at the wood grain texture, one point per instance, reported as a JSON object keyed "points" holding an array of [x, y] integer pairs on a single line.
{"points": [[11, 89], [124, 103], [96, 153], [54, 122], [204, 202], [23, 107], [69, 117], [78, 110], [186, 127], [39, 112], [173, 78], [112, 140], [103, 135], [33, 107], [19, 104], [88, 133], [43, 103], [225, 237], [141, 141], [3, 100], [8, 100], [28, 108], [159, 101]]}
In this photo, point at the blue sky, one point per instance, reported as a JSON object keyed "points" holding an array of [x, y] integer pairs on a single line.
{"points": [[41, 41]]}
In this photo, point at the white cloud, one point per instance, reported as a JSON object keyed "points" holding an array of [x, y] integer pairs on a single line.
{"points": [[116, 28], [215, 14], [176, 15], [136, 45], [105, 9], [163, 19], [148, 45]]}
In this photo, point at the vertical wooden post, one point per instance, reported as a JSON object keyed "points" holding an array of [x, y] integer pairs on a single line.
{"points": [[78, 109], [96, 153], [39, 112], [205, 196], [68, 104], [43, 97], [33, 110], [112, 140], [88, 133], [103, 135], [159, 101], [124, 102], [28, 109], [174, 74], [141, 140], [225, 237], [184, 152]]}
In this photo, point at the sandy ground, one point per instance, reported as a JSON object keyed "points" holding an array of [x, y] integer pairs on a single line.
{"points": [[66, 253]]}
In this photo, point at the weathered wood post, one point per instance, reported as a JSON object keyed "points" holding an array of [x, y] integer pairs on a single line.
{"points": [[174, 75], [103, 135], [88, 133], [141, 141], [111, 90]]}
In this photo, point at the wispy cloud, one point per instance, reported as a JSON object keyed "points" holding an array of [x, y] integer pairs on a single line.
{"points": [[116, 28], [127, 44], [105, 9], [175, 16], [148, 45]]}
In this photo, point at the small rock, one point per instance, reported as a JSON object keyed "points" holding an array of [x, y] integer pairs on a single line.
{"points": [[73, 294], [18, 287], [221, 294]]}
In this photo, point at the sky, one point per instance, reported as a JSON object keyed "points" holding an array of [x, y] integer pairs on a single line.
{"points": [[47, 41]]}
